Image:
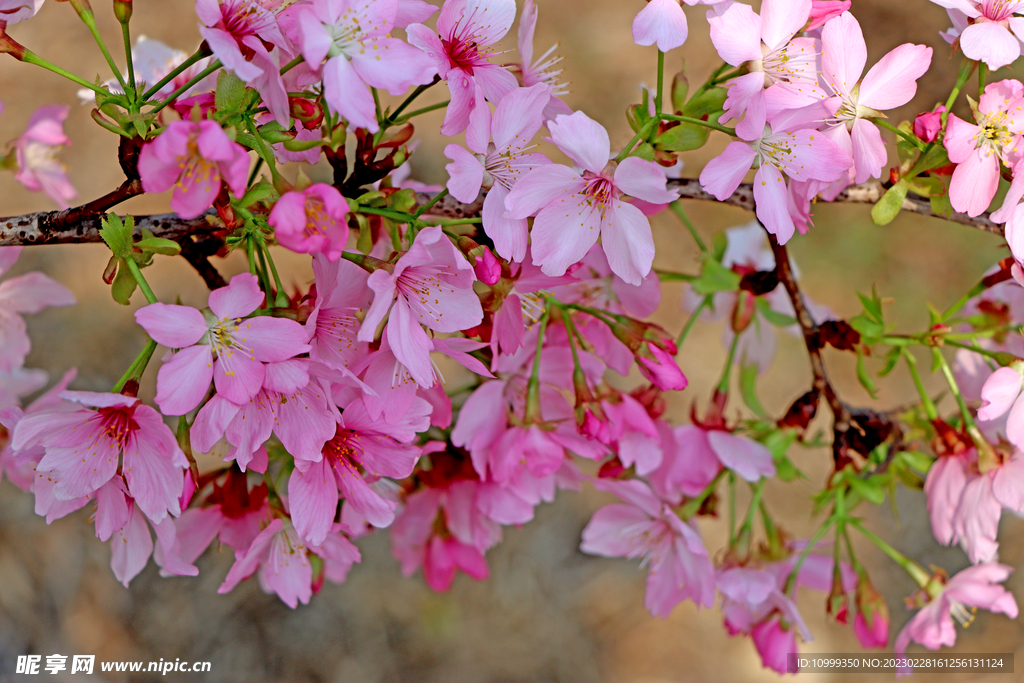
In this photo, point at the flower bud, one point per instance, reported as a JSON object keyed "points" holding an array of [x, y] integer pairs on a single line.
{"points": [[308, 112], [11, 46], [662, 370], [485, 264], [743, 312], [836, 605], [872, 622], [928, 124], [123, 10]]}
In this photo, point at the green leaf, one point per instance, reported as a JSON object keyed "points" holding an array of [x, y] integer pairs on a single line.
{"points": [[917, 460], [719, 243], [680, 88], [230, 96], [786, 470], [773, 316], [293, 145], [643, 151], [889, 205], [159, 245], [872, 306], [365, 241], [124, 284], [891, 359], [868, 489], [706, 103], [683, 138], [403, 201], [257, 193], [247, 140], [941, 205], [715, 277], [118, 234], [870, 330], [748, 389], [864, 377], [927, 186]]}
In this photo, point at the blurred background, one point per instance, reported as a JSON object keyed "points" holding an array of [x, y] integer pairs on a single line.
{"points": [[548, 612]]}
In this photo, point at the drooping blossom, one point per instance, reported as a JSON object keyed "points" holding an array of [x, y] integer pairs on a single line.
{"points": [[311, 221], [39, 169], [783, 69], [981, 148], [944, 600], [86, 448], [542, 70], [573, 209], [431, 285], [646, 527], [354, 36], [465, 29], [661, 23], [988, 30], [28, 293], [784, 148], [889, 84], [223, 346], [13, 11], [500, 164], [699, 454], [193, 158]]}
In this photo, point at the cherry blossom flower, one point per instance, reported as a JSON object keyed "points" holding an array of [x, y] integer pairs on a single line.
{"points": [[428, 282], [944, 601], [541, 70], [193, 158], [342, 295], [890, 83], [990, 30], [234, 28], [311, 221], [465, 28], [979, 149], [355, 38], [646, 527], [39, 169], [13, 11], [84, 450], [698, 456], [28, 293], [222, 345], [661, 22], [499, 165], [573, 209]]}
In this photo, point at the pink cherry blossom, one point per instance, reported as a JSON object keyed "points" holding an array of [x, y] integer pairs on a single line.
{"points": [[889, 84], [193, 158], [974, 587], [39, 169], [311, 221], [85, 449], [430, 281], [824, 10], [342, 295], [28, 293], [499, 165], [229, 26], [465, 28], [573, 209], [661, 22], [980, 149], [13, 11], [783, 69], [696, 455], [541, 70], [231, 512], [223, 346], [993, 31], [354, 36], [646, 527]]}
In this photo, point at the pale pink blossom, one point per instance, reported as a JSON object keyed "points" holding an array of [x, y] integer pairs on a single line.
{"points": [[541, 70], [311, 221], [13, 11], [974, 587], [660, 23], [28, 293], [342, 296], [465, 29], [988, 30], [646, 527], [499, 165], [354, 36], [231, 26], [193, 158], [889, 84], [39, 169], [573, 209], [223, 346]]}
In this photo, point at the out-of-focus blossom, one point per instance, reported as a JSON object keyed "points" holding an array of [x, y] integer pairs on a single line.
{"points": [[28, 293], [13, 11], [39, 169]]}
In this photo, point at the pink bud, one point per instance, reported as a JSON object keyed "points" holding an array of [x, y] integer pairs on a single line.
{"points": [[871, 624], [928, 125], [662, 371], [487, 268]]}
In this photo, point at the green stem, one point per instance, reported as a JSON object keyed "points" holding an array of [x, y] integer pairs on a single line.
{"points": [[32, 58], [532, 414], [995, 355], [454, 221], [291, 65], [250, 253], [723, 383], [408, 100], [388, 213], [255, 171], [433, 200], [677, 209], [641, 135], [661, 82], [732, 508], [175, 72], [89, 19], [137, 367], [982, 73], [790, 584], [141, 280], [966, 69], [699, 122], [916, 571], [912, 139], [376, 104], [262, 150], [174, 95], [705, 302], [929, 406], [987, 457], [424, 110], [692, 506], [962, 301], [748, 522], [277, 278], [127, 37]]}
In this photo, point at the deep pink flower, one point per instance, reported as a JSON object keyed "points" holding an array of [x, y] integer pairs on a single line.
{"points": [[695, 455], [431, 285], [28, 293], [84, 449], [354, 36], [662, 370], [39, 169], [193, 158], [572, 209], [979, 149], [646, 527], [974, 587], [823, 10], [498, 166], [223, 345], [928, 124], [311, 221], [465, 28], [889, 84]]}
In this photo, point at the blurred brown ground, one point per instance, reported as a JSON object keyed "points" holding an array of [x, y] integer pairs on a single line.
{"points": [[548, 612]]}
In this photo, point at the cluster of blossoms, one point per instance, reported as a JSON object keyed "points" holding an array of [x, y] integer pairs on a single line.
{"points": [[324, 412]]}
